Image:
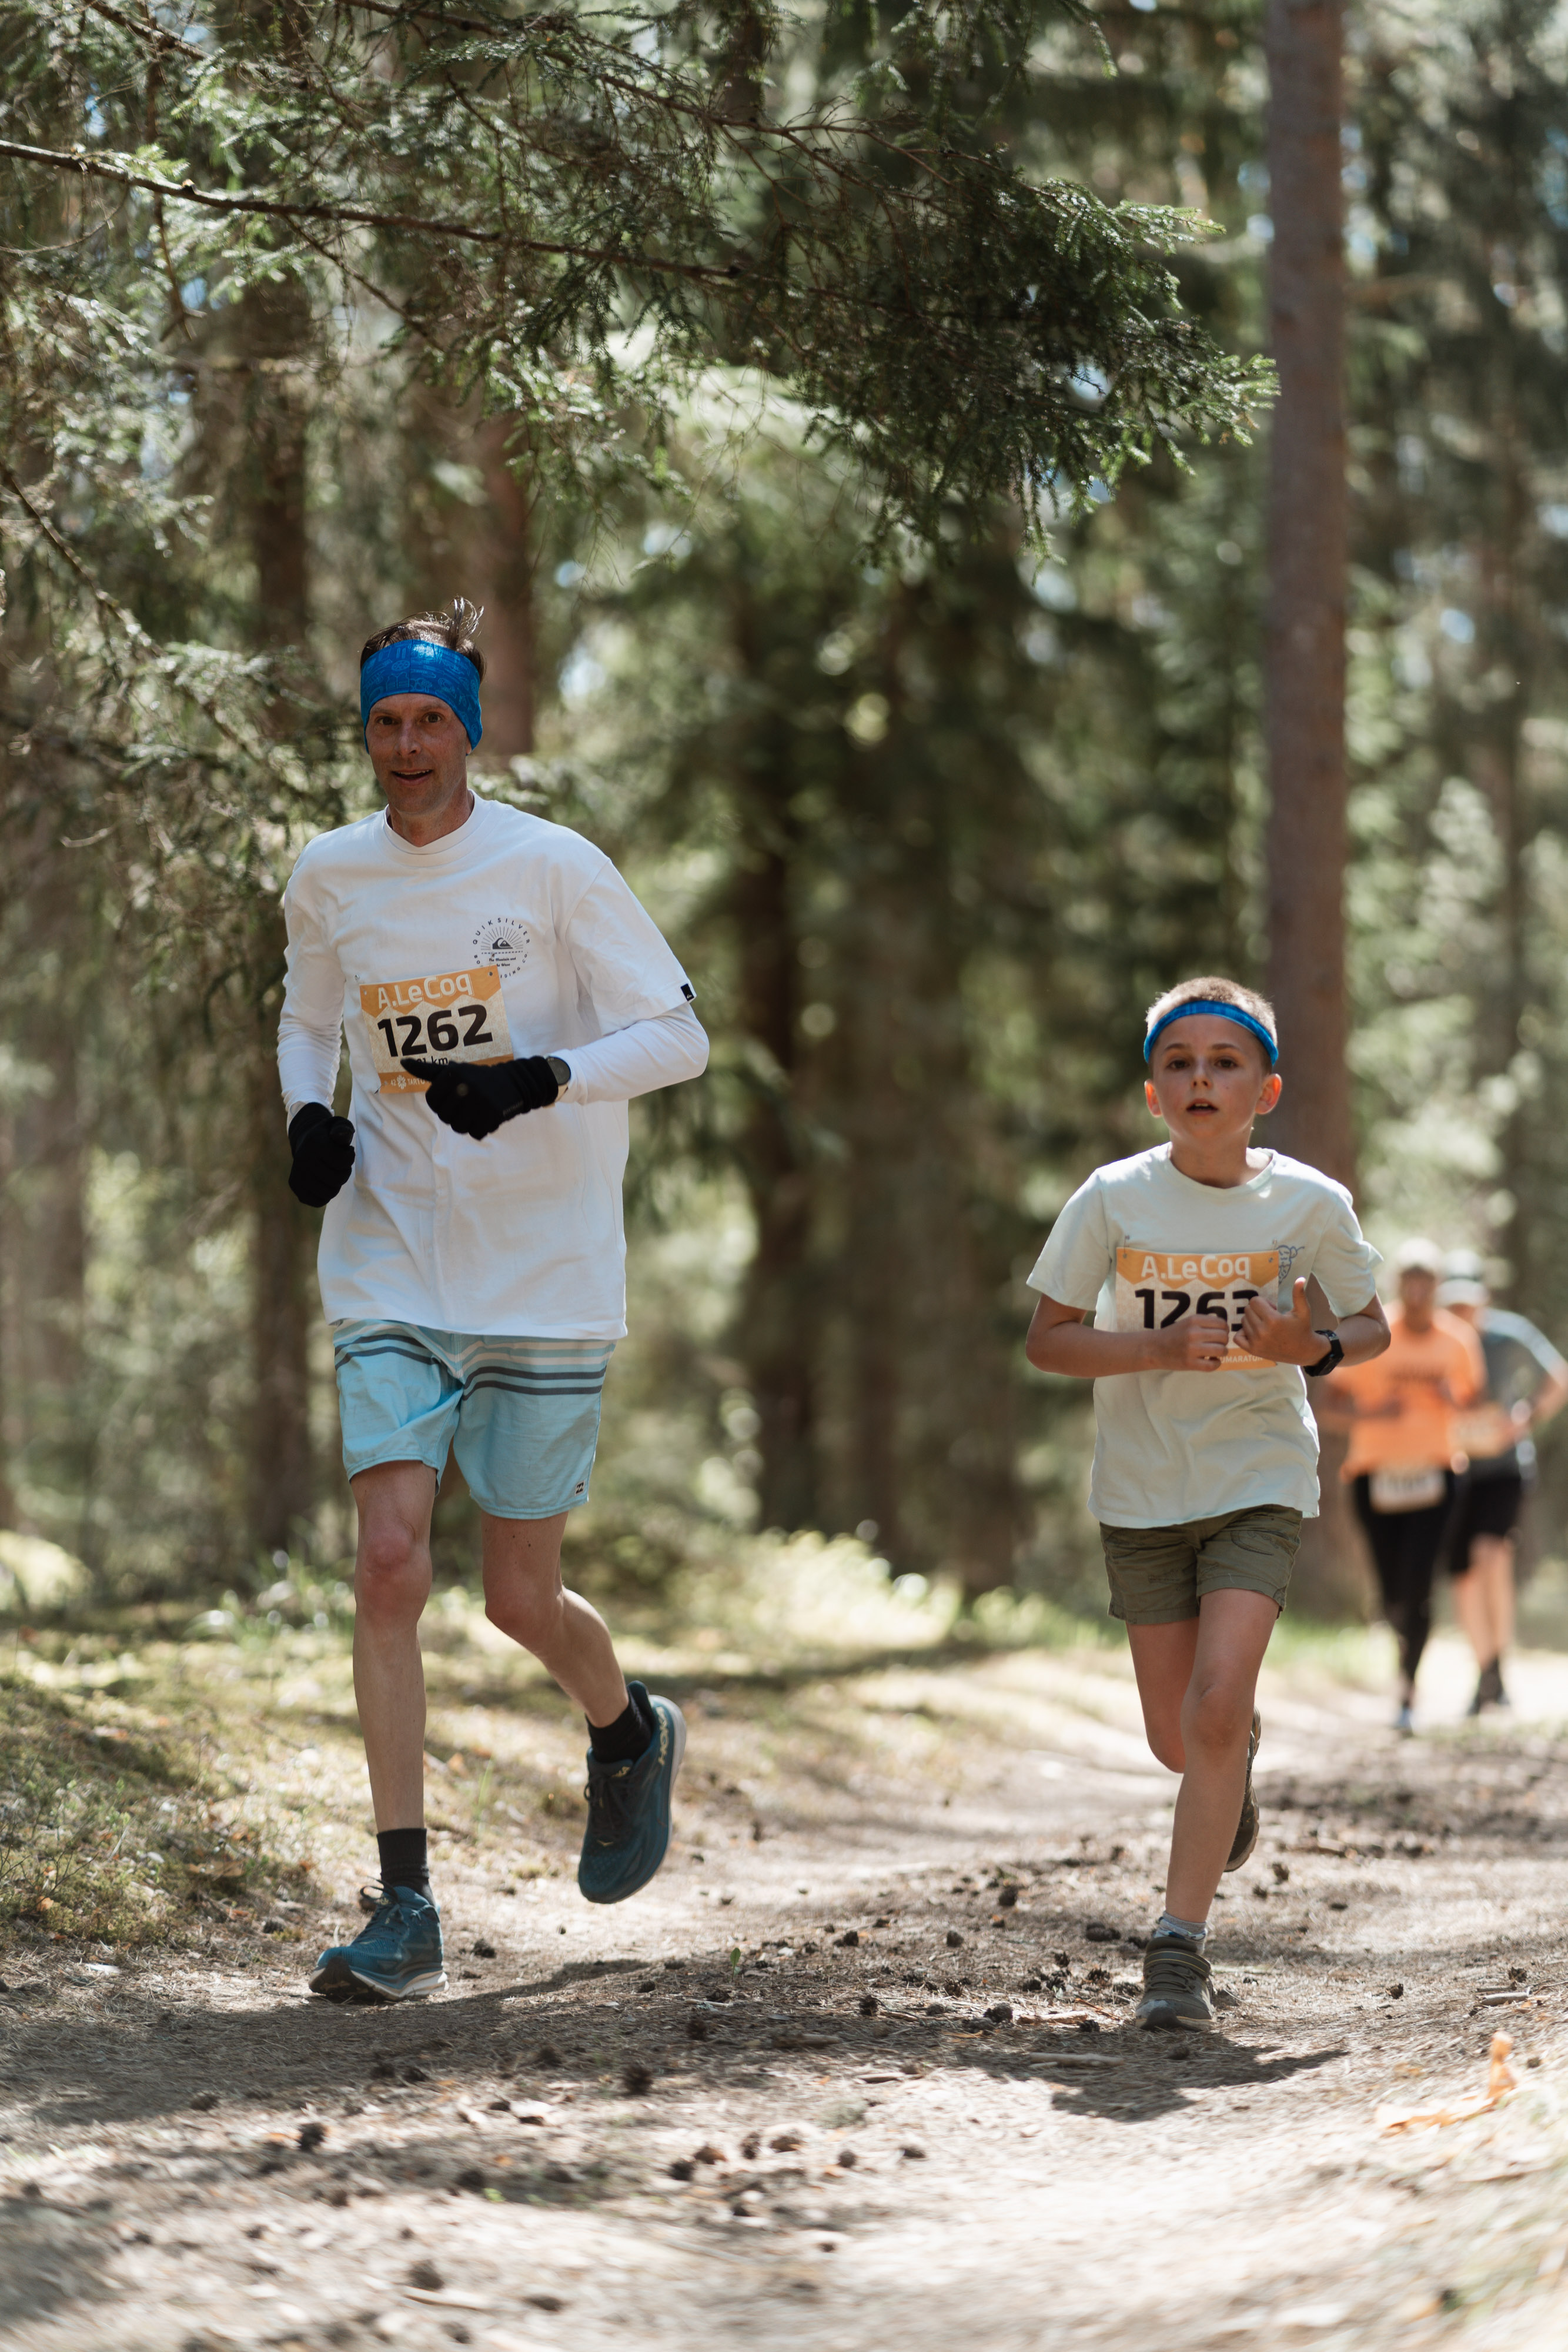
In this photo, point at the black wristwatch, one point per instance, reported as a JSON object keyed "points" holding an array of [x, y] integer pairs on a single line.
{"points": [[560, 1071], [1326, 1363]]}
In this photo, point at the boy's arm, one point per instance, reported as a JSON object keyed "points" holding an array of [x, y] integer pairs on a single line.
{"points": [[1290, 1339], [1059, 1342]]}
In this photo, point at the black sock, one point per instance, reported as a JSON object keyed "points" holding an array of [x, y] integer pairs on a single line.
{"points": [[405, 1860], [622, 1741]]}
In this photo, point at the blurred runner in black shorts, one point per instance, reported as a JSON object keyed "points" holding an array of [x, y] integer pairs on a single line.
{"points": [[1527, 1382], [1402, 1412]]}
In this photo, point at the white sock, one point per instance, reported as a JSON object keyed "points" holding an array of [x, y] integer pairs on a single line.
{"points": [[1194, 1929]]}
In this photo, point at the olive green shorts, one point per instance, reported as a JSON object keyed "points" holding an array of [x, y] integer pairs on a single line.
{"points": [[1158, 1575]]}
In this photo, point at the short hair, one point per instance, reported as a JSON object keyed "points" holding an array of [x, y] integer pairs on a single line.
{"points": [[454, 626], [1217, 991]]}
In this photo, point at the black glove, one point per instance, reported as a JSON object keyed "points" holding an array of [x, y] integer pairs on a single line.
{"points": [[477, 1098], [323, 1155]]}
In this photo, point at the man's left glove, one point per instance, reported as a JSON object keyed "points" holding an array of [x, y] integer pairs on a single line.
{"points": [[477, 1098]]}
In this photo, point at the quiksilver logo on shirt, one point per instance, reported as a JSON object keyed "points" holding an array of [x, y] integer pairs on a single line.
{"points": [[503, 940]]}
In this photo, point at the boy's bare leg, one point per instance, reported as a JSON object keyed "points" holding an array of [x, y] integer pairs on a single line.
{"points": [[523, 1597], [391, 1585], [1163, 1658], [1214, 1719]]}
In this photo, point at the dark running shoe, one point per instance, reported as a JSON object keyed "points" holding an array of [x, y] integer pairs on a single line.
{"points": [[628, 1832], [1246, 1836], [397, 1956], [1489, 1691], [1176, 1980]]}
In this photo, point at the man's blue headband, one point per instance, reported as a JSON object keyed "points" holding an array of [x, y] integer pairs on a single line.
{"points": [[415, 666], [1226, 1012]]}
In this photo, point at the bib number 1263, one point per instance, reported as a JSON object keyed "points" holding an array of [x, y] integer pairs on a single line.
{"points": [[1157, 1288], [452, 1016]]}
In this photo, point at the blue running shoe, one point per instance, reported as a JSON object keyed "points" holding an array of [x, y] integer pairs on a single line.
{"points": [[396, 1957], [628, 1832]]}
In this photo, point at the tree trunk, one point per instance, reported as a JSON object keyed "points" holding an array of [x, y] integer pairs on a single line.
{"points": [[503, 560], [777, 1322], [274, 477], [1303, 662], [1304, 647]]}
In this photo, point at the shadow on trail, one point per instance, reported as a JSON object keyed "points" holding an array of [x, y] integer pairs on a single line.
{"points": [[1155, 2074]]}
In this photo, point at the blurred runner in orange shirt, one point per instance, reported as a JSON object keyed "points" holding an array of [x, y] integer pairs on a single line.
{"points": [[1400, 1411]]}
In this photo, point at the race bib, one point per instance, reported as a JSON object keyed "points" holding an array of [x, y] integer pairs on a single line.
{"points": [[454, 1016], [1155, 1288], [1405, 1490], [1489, 1430]]}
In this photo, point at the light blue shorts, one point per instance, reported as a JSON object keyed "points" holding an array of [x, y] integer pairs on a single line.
{"points": [[521, 1415]]}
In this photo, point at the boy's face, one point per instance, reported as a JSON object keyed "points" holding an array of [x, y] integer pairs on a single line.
{"points": [[1208, 1080]]}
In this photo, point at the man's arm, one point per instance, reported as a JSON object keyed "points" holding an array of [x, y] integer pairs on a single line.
{"points": [[309, 1043], [310, 1025], [659, 1052], [1549, 1397], [475, 1098]]}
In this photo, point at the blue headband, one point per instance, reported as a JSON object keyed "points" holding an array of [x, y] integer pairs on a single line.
{"points": [[1225, 1013], [415, 666]]}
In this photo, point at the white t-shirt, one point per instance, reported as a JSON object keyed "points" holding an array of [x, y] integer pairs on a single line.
{"points": [[521, 936], [1143, 1244]]}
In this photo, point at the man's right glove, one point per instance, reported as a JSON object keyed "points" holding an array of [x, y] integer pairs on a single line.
{"points": [[323, 1155]]}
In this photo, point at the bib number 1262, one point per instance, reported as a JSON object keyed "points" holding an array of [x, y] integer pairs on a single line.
{"points": [[1157, 1288], [451, 1016]]}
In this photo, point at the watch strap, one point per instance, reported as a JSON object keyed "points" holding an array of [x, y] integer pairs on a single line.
{"points": [[1327, 1362]]}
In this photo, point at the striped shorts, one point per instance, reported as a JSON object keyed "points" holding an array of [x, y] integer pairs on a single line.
{"points": [[521, 1415]]}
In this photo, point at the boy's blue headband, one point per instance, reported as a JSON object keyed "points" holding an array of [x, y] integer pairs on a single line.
{"points": [[415, 666], [1226, 1012]]}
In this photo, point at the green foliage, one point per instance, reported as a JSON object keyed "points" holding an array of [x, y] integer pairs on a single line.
{"points": [[105, 1832], [571, 216], [795, 330]]}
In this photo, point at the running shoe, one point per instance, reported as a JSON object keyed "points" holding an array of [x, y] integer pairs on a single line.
{"points": [[628, 1832], [1404, 1721], [1246, 1836], [1177, 1979], [397, 1956]]}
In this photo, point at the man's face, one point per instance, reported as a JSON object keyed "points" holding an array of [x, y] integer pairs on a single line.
{"points": [[1207, 1080], [1418, 1293], [419, 753]]}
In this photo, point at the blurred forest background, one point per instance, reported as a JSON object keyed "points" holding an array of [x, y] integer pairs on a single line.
{"points": [[929, 829]]}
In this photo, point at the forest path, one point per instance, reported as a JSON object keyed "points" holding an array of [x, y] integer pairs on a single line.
{"points": [[836, 2145]]}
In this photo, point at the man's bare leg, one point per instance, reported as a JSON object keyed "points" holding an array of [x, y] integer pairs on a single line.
{"points": [[391, 1585], [1208, 1742], [1483, 1598], [523, 1597]]}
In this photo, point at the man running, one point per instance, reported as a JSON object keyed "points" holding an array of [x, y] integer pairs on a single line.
{"points": [[1527, 1382], [504, 997], [1402, 1413]]}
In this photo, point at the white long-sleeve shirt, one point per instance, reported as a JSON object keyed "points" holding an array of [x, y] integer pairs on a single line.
{"points": [[507, 938]]}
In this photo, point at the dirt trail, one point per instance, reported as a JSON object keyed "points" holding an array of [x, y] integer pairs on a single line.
{"points": [[766, 2102]]}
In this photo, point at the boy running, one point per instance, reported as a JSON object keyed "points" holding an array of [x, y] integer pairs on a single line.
{"points": [[504, 997], [1206, 1450]]}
